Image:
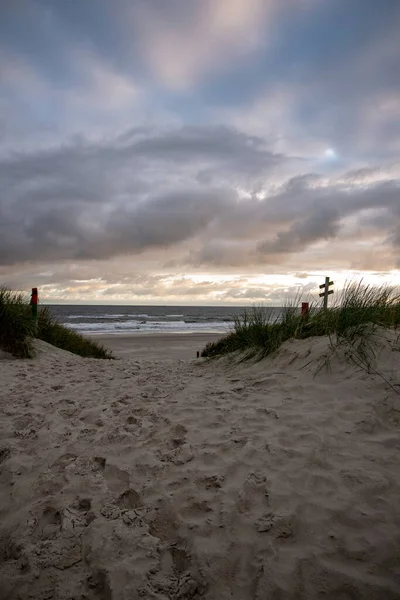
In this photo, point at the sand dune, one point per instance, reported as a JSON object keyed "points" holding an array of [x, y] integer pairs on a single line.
{"points": [[186, 479]]}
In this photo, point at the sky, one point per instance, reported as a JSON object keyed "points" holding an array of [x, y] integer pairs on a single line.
{"points": [[198, 151]]}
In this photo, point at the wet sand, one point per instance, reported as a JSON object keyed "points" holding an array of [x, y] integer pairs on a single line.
{"points": [[156, 345]]}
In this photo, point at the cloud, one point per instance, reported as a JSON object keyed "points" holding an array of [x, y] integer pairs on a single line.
{"points": [[181, 41], [323, 224], [316, 89], [101, 281], [35, 111], [63, 203], [102, 86]]}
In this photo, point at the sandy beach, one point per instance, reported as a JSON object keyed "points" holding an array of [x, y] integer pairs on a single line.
{"points": [[177, 479], [156, 345]]}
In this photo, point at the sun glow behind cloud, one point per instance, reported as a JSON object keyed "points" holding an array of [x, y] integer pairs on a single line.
{"points": [[330, 153]]}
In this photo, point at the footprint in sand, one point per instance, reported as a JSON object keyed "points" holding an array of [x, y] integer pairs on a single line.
{"points": [[214, 482], [5, 452], [62, 462], [124, 506], [99, 463], [163, 523], [128, 500], [175, 579], [49, 524], [99, 584], [178, 433], [117, 479], [181, 560], [82, 504], [6, 476], [279, 526], [87, 434], [265, 523], [26, 434], [174, 560], [183, 454], [24, 422], [110, 512], [8, 549], [253, 496]]}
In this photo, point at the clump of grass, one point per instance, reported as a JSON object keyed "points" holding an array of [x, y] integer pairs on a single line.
{"points": [[17, 330], [16, 325], [360, 309]]}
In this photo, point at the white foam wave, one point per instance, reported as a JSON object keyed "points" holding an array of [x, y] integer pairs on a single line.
{"points": [[137, 326], [100, 316]]}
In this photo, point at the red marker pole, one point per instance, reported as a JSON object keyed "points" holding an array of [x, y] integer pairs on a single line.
{"points": [[34, 305], [305, 309]]}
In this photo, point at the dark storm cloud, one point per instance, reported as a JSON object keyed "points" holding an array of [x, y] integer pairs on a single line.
{"points": [[321, 225], [218, 146], [316, 213], [80, 231], [210, 143], [300, 215], [97, 200], [91, 201], [301, 200]]}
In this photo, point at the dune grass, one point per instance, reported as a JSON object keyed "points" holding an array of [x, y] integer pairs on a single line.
{"points": [[16, 325], [49, 330], [359, 309], [17, 330]]}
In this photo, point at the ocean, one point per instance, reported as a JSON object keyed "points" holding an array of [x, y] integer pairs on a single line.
{"points": [[142, 319]]}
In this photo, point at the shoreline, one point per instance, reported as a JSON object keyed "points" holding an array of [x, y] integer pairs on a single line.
{"points": [[155, 345]]}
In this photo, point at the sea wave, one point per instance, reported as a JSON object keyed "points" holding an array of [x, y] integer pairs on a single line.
{"points": [[99, 316], [134, 326]]}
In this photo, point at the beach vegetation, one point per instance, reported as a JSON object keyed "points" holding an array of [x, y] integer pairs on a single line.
{"points": [[16, 324], [18, 330], [352, 320]]}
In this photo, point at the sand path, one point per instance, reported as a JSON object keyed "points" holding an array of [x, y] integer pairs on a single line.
{"points": [[183, 480]]}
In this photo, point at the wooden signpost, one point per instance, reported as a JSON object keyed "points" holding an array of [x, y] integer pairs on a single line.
{"points": [[326, 292]]}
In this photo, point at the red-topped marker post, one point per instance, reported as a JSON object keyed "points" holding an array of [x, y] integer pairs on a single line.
{"points": [[34, 305], [305, 310]]}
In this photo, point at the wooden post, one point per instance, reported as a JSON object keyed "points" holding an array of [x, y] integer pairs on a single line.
{"points": [[326, 292], [34, 305]]}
